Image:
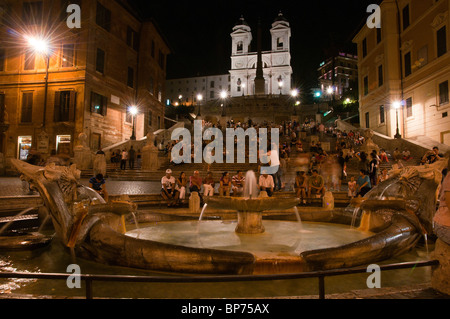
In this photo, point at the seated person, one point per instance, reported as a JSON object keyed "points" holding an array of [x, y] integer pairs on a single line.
{"points": [[168, 191], [431, 156], [300, 186], [209, 184], [98, 183], [266, 183], [238, 183], [225, 184], [363, 185], [195, 182], [383, 156], [406, 155], [316, 184]]}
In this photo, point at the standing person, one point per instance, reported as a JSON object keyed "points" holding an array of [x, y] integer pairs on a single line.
{"points": [[316, 184], [300, 186], [131, 157], [275, 166], [98, 184], [123, 159], [238, 183], [168, 191], [352, 190], [208, 185], [363, 183], [181, 185], [373, 169], [225, 184], [266, 183], [442, 217]]}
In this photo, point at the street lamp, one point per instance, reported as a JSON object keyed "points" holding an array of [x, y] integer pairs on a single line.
{"points": [[223, 96], [133, 111], [397, 105], [199, 101], [41, 46], [280, 83]]}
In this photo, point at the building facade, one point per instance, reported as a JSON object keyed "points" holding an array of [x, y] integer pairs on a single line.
{"points": [[338, 74], [240, 81], [404, 70], [277, 70], [84, 81]]}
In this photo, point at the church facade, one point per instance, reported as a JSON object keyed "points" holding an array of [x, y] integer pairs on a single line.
{"points": [[240, 81], [276, 63]]}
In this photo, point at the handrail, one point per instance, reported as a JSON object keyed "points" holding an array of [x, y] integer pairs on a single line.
{"points": [[89, 278]]}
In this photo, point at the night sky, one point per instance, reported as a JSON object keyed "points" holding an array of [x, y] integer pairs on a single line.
{"points": [[199, 32]]}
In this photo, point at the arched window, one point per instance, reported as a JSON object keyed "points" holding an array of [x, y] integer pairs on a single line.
{"points": [[240, 47], [280, 43]]}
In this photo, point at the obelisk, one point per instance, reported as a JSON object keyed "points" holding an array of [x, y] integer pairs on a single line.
{"points": [[260, 83]]}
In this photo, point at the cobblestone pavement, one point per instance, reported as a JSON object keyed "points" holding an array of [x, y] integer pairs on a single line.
{"points": [[13, 186]]}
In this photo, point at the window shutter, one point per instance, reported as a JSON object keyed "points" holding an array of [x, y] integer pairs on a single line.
{"points": [[57, 111], [72, 106], [104, 105]]}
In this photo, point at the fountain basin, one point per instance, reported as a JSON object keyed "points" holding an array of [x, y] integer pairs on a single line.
{"points": [[249, 210]]}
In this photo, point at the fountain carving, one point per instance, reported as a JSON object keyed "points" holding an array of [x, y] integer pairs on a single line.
{"points": [[95, 230]]}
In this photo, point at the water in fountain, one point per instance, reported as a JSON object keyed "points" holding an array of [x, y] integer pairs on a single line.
{"points": [[203, 210], [250, 185], [6, 226], [355, 214], [298, 217], [136, 222]]}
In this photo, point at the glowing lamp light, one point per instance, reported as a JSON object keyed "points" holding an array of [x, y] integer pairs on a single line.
{"points": [[330, 90], [397, 105], [199, 97], [294, 93], [38, 45], [223, 94], [133, 110]]}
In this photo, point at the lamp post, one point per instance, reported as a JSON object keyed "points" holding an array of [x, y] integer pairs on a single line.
{"points": [[133, 111], [223, 96], [280, 83], [199, 101], [41, 46], [397, 105]]}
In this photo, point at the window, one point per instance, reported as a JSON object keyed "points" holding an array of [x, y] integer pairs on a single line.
{"points": [[99, 104], [366, 85], [68, 56], [2, 108], [128, 117], [30, 59], [441, 37], [161, 59], [150, 118], [443, 93], [367, 120], [2, 60], [406, 19], [378, 35], [130, 77], [159, 122], [408, 69], [65, 102], [27, 108], [32, 12], [100, 63], [211, 85], [211, 94], [409, 110], [364, 47], [132, 38], [382, 114], [103, 17], [240, 47], [280, 43], [151, 86], [380, 76]]}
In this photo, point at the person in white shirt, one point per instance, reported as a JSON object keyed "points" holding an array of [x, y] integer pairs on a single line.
{"points": [[168, 191]]}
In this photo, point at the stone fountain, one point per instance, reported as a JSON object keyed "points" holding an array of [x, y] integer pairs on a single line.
{"points": [[396, 213]]}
